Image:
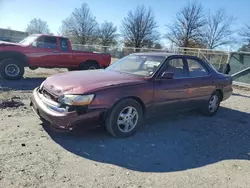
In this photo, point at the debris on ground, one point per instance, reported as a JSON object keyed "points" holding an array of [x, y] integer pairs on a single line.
{"points": [[14, 102]]}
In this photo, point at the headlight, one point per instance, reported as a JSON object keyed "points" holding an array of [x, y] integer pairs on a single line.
{"points": [[76, 100], [41, 86]]}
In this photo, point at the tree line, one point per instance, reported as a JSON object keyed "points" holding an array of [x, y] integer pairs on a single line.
{"points": [[191, 27]]}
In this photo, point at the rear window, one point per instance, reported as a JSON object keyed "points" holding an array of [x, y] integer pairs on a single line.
{"points": [[211, 66], [64, 44]]}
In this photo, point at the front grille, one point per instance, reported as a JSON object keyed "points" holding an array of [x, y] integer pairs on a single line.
{"points": [[49, 95]]}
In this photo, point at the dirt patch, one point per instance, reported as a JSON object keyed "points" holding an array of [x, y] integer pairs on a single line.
{"points": [[181, 150], [14, 102], [241, 88]]}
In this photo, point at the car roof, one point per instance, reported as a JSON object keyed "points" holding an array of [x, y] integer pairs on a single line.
{"points": [[47, 35], [154, 53], [165, 54]]}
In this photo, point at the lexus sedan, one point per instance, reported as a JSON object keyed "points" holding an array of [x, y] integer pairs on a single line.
{"points": [[135, 87]]}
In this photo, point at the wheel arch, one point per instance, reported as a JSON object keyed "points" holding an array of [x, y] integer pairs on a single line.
{"points": [[220, 93], [137, 99], [89, 61], [14, 55]]}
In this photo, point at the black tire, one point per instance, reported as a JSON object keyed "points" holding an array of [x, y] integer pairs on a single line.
{"points": [[11, 65], [33, 68], [207, 109], [111, 121], [89, 65], [73, 69]]}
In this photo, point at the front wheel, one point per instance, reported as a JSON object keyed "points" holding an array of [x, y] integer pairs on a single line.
{"points": [[11, 69], [213, 104], [125, 118]]}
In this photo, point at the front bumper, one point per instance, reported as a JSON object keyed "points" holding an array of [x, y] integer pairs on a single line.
{"points": [[59, 118]]}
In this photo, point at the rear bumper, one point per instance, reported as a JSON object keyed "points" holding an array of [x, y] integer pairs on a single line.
{"points": [[59, 118]]}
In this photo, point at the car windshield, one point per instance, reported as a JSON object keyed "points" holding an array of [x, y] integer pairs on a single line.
{"points": [[28, 40], [141, 65]]}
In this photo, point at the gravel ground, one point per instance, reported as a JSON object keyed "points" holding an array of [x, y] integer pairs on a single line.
{"points": [[182, 150]]}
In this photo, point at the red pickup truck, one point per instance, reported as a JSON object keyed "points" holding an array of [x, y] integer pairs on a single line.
{"points": [[46, 51]]}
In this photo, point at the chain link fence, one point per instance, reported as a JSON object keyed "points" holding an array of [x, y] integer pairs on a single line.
{"points": [[217, 58], [237, 60]]}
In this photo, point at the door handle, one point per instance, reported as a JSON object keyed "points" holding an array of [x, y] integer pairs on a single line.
{"points": [[55, 51]]}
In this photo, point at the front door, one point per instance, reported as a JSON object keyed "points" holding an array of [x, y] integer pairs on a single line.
{"points": [[172, 94], [47, 52]]}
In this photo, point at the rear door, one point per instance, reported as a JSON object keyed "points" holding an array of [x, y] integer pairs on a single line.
{"points": [[201, 85], [172, 94]]}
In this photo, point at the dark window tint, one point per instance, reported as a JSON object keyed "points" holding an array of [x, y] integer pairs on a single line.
{"points": [[64, 45], [46, 42], [177, 66], [196, 69]]}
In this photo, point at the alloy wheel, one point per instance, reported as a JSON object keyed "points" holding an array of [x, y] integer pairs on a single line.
{"points": [[213, 103], [127, 119]]}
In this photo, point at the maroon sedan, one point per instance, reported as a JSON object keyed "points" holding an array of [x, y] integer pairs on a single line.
{"points": [[133, 88]]}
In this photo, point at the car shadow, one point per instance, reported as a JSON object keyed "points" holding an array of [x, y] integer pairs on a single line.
{"points": [[23, 84], [168, 144]]}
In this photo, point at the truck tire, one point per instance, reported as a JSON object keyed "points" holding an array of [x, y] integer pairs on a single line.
{"points": [[89, 65], [11, 69], [73, 69]]}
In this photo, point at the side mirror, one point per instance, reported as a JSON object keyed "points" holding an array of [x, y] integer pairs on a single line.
{"points": [[167, 75]]}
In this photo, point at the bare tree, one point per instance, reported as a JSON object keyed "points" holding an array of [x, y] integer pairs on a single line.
{"points": [[139, 27], [217, 31], [158, 45], [244, 48], [107, 34], [245, 33], [81, 25], [37, 26], [185, 31]]}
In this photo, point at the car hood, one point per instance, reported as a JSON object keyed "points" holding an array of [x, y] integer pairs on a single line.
{"points": [[3, 43], [80, 82]]}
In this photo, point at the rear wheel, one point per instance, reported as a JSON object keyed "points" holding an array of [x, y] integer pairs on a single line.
{"points": [[213, 104], [11, 69], [33, 68], [73, 69], [125, 118], [89, 65]]}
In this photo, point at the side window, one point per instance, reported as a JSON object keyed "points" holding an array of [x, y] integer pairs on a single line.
{"points": [[64, 45], [46, 42], [176, 66], [196, 69]]}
